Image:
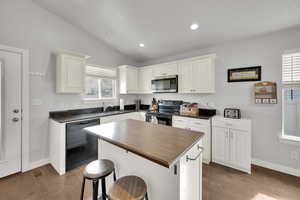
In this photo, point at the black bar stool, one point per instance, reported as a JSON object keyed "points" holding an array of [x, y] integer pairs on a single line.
{"points": [[128, 188], [96, 170]]}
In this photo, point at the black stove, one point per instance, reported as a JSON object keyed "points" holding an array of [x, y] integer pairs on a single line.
{"points": [[166, 108]]}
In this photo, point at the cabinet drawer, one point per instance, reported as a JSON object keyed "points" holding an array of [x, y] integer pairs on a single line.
{"points": [[199, 122], [178, 119], [240, 124]]}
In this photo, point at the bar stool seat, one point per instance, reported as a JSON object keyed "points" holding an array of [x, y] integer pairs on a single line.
{"points": [[128, 188], [98, 168]]}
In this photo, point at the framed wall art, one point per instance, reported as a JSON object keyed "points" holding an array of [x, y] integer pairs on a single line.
{"points": [[244, 74], [265, 93]]}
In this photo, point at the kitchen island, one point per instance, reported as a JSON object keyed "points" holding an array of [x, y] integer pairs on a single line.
{"points": [[168, 159]]}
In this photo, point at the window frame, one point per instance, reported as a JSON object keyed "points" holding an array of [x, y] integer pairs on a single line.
{"points": [[101, 99], [283, 137]]}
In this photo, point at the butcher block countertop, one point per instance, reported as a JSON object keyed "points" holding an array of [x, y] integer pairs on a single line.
{"points": [[161, 144]]}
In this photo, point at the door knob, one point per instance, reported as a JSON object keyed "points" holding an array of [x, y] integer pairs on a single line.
{"points": [[16, 110], [15, 119]]}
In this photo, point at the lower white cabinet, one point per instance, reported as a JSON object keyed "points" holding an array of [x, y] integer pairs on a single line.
{"points": [[231, 143], [200, 125]]}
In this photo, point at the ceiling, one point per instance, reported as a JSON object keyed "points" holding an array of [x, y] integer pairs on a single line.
{"points": [[163, 25]]}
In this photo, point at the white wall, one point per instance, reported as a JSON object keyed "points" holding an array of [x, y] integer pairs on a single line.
{"points": [[265, 51], [25, 25]]}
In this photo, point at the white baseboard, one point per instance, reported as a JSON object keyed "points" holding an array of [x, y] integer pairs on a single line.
{"points": [[38, 163], [277, 167]]}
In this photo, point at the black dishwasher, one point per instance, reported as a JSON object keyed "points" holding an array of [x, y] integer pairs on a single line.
{"points": [[81, 147]]}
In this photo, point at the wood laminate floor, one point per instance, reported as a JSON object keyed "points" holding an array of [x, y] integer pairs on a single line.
{"points": [[220, 183]]}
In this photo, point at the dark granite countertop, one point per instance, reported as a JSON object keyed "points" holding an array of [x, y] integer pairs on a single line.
{"points": [[89, 113], [207, 117]]}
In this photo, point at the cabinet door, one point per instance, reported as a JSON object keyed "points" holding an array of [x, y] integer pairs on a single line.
{"points": [[205, 141], [166, 69], [72, 74], [220, 145], [202, 76], [191, 175], [240, 150], [132, 80], [185, 78], [145, 77]]}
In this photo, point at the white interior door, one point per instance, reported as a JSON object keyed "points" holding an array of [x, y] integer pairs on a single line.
{"points": [[10, 132]]}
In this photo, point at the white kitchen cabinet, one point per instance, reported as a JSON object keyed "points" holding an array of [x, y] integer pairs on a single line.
{"points": [[128, 79], [165, 69], [197, 75], [190, 175], [220, 143], [231, 143], [182, 181], [199, 125], [144, 78], [70, 74]]}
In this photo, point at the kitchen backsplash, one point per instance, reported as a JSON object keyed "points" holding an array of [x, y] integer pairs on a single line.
{"points": [[70, 102]]}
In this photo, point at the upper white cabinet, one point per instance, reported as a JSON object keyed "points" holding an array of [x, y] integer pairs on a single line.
{"points": [[128, 79], [199, 125], [197, 75], [231, 143], [165, 69], [70, 72], [144, 78]]}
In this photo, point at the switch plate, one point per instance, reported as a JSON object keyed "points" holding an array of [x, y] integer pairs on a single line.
{"points": [[294, 155]]}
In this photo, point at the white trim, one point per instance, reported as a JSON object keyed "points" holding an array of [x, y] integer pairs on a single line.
{"points": [[25, 163], [276, 167], [72, 53], [289, 139], [39, 163], [291, 51]]}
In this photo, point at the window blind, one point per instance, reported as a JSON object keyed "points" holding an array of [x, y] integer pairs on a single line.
{"points": [[291, 68], [100, 71]]}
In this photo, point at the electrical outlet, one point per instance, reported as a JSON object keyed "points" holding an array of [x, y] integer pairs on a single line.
{"points": [[294, 155]]}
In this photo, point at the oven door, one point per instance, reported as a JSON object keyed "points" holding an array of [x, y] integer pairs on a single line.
{"points": [[168, 84]]}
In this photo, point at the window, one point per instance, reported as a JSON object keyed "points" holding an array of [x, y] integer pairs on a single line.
{"points": [[291, 96], [100, 83]]}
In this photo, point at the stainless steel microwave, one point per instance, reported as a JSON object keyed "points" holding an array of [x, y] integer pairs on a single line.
{"points": [[165, 84]]}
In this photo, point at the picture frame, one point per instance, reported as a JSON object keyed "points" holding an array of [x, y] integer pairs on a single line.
{"points": [[265, 92], [245, 74]]}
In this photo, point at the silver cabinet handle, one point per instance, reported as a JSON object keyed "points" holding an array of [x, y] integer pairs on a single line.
{"points": [[15, 119], [193, 159], [199, 147]]}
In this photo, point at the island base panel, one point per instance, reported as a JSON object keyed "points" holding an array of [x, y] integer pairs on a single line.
{"points": [[162, 183]]}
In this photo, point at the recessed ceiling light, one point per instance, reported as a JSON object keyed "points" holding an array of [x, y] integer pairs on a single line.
{"points": [[194, 27], [141, 45]]}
